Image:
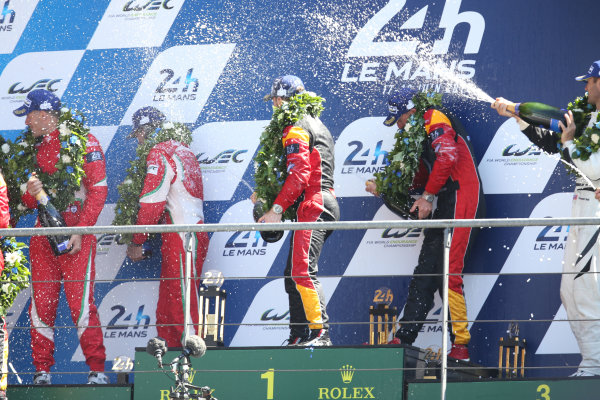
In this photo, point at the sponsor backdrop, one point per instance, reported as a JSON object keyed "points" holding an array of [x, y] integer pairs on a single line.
{"points": [[209, 63]]}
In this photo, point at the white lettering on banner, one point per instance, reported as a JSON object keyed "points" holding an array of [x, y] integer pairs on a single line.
{"points": [[135, 23], [180, 80], [364, 44], [524, 258], [124, 316], [429, 66], [241, 254], [51, 70], [360, 151], [224, 151], [511, 164], [14, 16]]}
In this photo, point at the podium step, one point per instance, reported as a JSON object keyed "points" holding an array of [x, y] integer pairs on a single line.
{"points": [[555, 389]]}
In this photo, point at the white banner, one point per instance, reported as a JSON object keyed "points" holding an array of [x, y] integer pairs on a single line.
{"points": [[360, 151], [512, 164], [14, 16], [135, 23], [50, 70], [241, 254], [180, 80], [224, 151]]}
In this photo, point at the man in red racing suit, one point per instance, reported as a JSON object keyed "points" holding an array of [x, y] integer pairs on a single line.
{"points": [[308, 147], [76, 268], [454, 178], [173, 194]]}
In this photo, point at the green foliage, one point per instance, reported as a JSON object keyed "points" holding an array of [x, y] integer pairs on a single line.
{"points": [[15, 276], [18, 160], [270, 162], [127, 206], [587, 140], [397, 177]]}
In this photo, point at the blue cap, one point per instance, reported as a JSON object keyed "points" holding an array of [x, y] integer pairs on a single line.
{"points": [[285, 86], [594, 71], [38, 100], [399, 103], [146, 116]]}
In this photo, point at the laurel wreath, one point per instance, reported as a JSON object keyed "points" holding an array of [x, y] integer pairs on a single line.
{"points": [[127, 207], [270, 162], [15, 275], [19, 157], [403, 160], [587, 139]]}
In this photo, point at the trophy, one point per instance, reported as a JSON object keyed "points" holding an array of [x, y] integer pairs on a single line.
{"points": [[122, 365], [381, 316], [513, 350], [211, 307]]}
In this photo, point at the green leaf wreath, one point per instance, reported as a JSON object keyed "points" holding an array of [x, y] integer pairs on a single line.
{"points": [[403, 161], [19, 157], [127, 206], [587, 140], [15, 276], [270, 162]]}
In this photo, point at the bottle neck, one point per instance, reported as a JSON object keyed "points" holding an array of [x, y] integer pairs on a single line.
{"points": [[513, 108], [42, 197]]}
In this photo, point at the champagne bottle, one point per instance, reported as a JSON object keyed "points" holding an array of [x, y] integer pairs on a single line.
{"points": [[539, 114], [50, 218]]}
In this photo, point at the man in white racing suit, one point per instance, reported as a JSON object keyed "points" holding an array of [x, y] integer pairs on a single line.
{"points": [[580, 288]]}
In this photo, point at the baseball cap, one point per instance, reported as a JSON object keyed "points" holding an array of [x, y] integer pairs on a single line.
{"points": [[594, 71], [399, 103], [38, 100], [145, 116], [285, 86]]}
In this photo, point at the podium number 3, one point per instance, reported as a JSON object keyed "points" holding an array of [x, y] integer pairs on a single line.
{"points": [[544, 391], [270, 377]]}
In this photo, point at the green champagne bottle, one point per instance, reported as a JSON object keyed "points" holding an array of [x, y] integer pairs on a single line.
{"points": [[49, 217], [539, 114]]}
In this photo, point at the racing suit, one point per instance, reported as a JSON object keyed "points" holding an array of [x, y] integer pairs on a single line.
{"points": [[579, 288], [76, 271], [4, 223], [310, 162], [455, 179], [173, 191]]}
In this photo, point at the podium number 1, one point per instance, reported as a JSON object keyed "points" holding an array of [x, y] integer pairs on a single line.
{"points": [[270, 377]]}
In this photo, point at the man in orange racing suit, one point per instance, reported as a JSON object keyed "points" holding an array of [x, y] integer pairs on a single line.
{"points": [[308, 147], [454, 178]]}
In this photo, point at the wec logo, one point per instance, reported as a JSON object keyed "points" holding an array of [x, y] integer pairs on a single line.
{"points": [[513, 151], [150, 5], [48, 84], [223, 157]]}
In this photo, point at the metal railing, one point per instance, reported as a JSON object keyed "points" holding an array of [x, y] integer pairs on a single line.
{"points": [[447, 225]]}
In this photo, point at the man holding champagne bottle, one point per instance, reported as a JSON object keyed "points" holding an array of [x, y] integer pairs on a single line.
{"points": [[579, 290], [76, 268]]}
